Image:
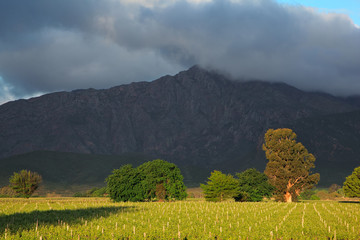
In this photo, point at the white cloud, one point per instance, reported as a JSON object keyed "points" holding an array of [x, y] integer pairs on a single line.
{"points": [[5, 92]]}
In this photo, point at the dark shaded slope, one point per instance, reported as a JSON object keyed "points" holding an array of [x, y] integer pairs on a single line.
{"points": [[63, 170], [335, 141]]}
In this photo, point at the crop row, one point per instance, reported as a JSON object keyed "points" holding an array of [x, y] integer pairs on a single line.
{"points": [[99, 218]]}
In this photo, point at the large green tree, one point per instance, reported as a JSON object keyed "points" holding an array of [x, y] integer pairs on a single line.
{"points": [[352, 184], [155, 179], [124, 184], [160, 174], [253, 186], [220, 187], [290, 164], [25, 182]]}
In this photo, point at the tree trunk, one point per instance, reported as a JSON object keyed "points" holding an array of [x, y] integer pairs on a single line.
{"points": [[288, 197]]}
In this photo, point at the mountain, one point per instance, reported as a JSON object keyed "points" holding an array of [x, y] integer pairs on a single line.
{"points": [[197, 119]]}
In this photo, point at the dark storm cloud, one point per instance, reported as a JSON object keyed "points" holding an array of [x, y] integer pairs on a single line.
{"points": [[21, 17], [256, 40], [59, 45], [55, 45]]}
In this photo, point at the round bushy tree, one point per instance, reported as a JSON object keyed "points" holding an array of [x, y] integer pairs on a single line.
{"points": [[154, 179], [124, 184], [159, 172], [253, 185], [352, 184], [220, 187], [25, 182]]}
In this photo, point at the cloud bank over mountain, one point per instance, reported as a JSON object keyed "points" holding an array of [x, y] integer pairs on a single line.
{"points": [[62, 45]]}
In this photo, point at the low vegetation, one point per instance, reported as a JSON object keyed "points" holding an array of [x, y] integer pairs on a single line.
{"points": [[93, 192], [100, 218]]}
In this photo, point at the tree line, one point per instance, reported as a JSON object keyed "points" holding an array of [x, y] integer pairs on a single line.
{"points": [[287, 174], [250, 185]]}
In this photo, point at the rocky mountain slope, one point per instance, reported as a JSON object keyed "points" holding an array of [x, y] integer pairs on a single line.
{"points": [[196, 118]]}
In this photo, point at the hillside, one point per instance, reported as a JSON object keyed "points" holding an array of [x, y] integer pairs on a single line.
{"points": [[197, 119], [70, 172]]}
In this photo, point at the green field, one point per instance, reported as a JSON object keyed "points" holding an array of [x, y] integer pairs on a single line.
{"points": [[99, 218]]}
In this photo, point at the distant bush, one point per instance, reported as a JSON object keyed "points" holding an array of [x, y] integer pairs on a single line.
{"points": [[325, 195], [307, 194], [334, 188], [53, 195], [314, 197], [321, 194], [80, 194], [195, 192], [98, 192], [94, 192], [253, 186], [191, 195]]}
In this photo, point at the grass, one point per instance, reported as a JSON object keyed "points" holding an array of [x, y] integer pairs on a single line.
{"points": [[99, 218]]}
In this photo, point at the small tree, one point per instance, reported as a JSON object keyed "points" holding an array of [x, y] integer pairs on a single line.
{"points": [[254, 186], [290, 164], [25, 182], [352, 184], [220, 187]]}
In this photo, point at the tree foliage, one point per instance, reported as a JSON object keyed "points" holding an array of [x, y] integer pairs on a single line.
{"points": [[125, 184], [220, 187], [352, 184], [154, 179], [161, 172], [290, 164], [25, 182], [253, 186]]}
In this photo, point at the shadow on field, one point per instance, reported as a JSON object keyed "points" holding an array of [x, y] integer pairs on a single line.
{"points": [[27, 221], [349, 201]]}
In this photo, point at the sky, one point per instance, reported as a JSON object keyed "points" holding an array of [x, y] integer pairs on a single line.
{"points": [[348, 7], [48, 46]]}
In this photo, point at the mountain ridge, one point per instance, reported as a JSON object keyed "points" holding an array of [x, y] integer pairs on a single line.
{"points": [[196, 118]]}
